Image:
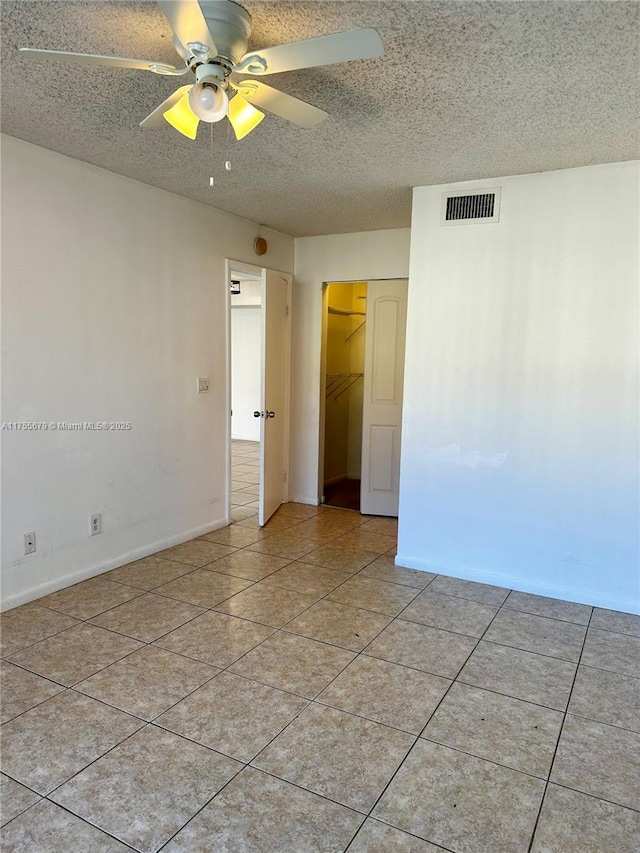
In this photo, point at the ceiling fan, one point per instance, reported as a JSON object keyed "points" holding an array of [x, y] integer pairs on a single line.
{"points": [[211, 36]]}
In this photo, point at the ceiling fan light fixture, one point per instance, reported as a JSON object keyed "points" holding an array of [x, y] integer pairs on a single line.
{"points": [[243, 116], [181, 117]]}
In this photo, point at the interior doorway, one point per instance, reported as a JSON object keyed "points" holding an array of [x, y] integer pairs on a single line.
{"points": [[259, 335], [245, 294], [364, 324], [344, 348]]}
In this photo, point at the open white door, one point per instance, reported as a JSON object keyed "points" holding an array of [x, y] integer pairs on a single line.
{"points": [[382, 407], [274, 400]]}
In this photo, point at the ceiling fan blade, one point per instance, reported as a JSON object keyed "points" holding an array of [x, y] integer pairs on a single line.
{"points": [[188, 23], [95, 59], [283, 105], [156, 119], [325, 50]]}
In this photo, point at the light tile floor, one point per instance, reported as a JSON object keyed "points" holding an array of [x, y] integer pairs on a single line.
{"points": [[290, 690]]}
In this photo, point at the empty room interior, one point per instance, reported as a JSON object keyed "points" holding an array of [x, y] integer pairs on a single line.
{"points": [[320, 460]]}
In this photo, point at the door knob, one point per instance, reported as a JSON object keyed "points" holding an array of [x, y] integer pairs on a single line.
{"points": [[270, 414], [258, 414]]}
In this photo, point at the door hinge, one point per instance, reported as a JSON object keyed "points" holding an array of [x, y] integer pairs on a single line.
{"points": [[286, 310], [284, 476]]}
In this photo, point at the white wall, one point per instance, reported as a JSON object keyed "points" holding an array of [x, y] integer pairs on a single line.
{"points": [[338, 257], [520, 454], [107, 315], [246, 365]]}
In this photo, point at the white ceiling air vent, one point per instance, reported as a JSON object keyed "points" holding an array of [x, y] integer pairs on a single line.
{"points": [[471, 207]]}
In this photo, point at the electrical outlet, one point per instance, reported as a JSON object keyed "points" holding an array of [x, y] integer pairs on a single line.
{"points": [[29, 543], [203, 384], [96, 524]]}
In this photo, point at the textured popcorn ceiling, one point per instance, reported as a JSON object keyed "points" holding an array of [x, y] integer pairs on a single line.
{"points": [[464, 90]]}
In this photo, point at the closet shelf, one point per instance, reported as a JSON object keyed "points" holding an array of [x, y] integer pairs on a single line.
{"points": [[345, 313]]}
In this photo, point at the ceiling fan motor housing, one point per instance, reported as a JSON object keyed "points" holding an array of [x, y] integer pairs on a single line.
{"points": [[230, 25]]}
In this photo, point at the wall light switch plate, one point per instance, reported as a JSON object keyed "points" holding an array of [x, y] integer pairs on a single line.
{"points": [[29, 543], [203, 384]]}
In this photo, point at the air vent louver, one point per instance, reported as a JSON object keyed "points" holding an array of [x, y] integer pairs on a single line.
{"points": [[479, 206]]}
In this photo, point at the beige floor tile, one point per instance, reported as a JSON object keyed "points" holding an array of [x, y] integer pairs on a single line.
{"points": [[268, 605], [259, 814], [148, 573], [378, 596], [147, 682], [248, 489], [384, 569], [21, 690], [156, 780], [46, 828], [240, 514], [236, 537], [540, 605], [510, 732], [615, 652], [246, 478], [15, 799], [600, 760], [385, 526], [308, 579], [613, 620], [203, 587], [459, 615], [523, 675], [47, 745], [240, 467], [607, 697], [298, 511], [482, 592], [343, 560], [317, 530], [461, 802], [337, 755], [250, 565], [421, 647], [293, 663], [576, 823], [386, 693], [537, 634], [215, 638], [26, 625], [284, 544], [87, 599], [376, 837], [147, 617], [233, 715], [75, 654], [238, 499], [339, 624], [361, 540], [196, 552]]}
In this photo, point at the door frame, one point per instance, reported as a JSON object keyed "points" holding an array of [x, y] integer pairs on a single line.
{"points": [[323, 368], [233, 266]]}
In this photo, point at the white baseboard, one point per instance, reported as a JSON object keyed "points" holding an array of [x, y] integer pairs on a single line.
{"points": [[565, 593], [311, 500], [61, 582]]}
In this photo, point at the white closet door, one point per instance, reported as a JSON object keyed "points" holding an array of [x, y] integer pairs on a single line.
{"points": [[382, 409]]}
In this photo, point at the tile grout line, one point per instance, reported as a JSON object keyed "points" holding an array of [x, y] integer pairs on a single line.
{"points": [[560, 731]]}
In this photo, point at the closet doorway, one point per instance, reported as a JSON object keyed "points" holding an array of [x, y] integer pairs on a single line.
{"points": [[361, 409]]}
